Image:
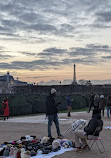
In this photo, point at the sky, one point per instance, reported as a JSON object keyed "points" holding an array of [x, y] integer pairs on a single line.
{"points": [[41, 40]]}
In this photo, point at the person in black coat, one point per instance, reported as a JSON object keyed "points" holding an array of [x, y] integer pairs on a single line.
{"points": [[108, 103], [51, 112], [88, 130], [91, 102]]}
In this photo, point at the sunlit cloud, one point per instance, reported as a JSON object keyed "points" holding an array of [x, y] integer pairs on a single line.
{"points": [[46, 35]]}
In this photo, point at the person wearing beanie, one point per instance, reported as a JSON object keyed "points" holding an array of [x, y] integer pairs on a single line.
{"points": [[88, 130], [53, 90], [51, 112]]}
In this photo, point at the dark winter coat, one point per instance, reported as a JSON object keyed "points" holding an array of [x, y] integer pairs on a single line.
{"points": [[92, 99], [51, 106], [93, 124], [109, 101], [68, 101], [102, 103], [5, 108]]}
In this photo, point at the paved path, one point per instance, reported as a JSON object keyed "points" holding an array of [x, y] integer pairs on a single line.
{"points": [[42, 119]]}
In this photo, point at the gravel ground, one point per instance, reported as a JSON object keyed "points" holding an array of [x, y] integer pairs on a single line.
{"points": [[14, 128]]}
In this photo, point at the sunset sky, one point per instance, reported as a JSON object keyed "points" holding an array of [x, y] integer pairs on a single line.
{"points": [[40, 40]]}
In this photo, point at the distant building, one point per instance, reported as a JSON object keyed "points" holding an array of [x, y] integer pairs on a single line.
{"points": [[7, 78], [3, 87], [20, 83], [7, 83]]}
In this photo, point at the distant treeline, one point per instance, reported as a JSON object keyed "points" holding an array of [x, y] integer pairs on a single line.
{"points": [[31, 99], [64, 89]]}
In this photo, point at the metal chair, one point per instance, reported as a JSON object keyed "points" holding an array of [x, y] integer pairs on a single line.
{"points": [[95, 139]]}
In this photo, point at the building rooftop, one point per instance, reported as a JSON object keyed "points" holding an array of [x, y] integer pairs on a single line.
{"points": [[4, 77]]}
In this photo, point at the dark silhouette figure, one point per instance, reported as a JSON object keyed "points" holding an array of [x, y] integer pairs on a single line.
{"points": [[91, 101]]}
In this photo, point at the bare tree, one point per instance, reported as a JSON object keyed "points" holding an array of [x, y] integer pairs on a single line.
{"points": [[85, 82]]}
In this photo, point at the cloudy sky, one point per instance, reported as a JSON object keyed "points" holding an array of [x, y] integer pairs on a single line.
{"points": [[40, 40]]}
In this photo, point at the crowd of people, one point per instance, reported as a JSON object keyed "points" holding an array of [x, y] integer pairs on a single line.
{"points": [[97, 102], [101, 103]]}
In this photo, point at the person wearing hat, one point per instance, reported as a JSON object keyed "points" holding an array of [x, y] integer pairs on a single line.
{"points": [[88, 131], [51, 112]]}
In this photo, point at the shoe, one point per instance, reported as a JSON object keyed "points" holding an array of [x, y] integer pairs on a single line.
{"points": [[86, 147], [69, 115], [78, 149], [60, 137], [51, 139]]}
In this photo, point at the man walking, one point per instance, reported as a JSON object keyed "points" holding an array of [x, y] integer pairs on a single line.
{"points": [[51, 112], [69, 105]]}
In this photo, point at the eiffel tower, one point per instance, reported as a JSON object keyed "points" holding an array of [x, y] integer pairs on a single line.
{"points": [[74, 76]]}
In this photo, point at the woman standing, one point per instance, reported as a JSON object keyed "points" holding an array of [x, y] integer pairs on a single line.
{"points": [[5, 108]]}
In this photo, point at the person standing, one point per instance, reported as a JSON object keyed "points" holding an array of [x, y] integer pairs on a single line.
{"points": [[96, 101], [69, 105], [102, 104], [5, 108], [51, 112], [108, 106], [91, 102]]}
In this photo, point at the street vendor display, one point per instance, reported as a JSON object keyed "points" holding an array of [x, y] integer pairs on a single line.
{"points": [[31, 146]]}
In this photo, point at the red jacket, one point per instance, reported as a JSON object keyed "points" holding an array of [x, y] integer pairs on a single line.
{"points": [[6, 108]]}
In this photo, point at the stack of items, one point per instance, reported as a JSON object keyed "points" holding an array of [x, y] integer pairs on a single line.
{"points": [[29, 146]]}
